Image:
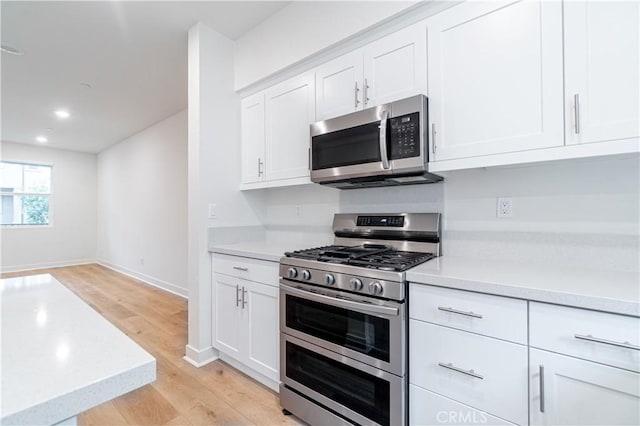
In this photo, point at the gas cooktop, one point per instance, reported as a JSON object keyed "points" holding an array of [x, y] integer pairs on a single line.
{"points": [[373, 256]]}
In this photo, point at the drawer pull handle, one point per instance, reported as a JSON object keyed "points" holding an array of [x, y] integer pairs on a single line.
{"points": [[240, 268], [541, 371], [590, 338], [460, 370], [455, 311], [237, 295]]}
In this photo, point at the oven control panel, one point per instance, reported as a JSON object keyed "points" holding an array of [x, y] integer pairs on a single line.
{"points": [[395, 221]]}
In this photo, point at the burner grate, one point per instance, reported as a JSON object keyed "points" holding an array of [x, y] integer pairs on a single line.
{"points": [[368, 256]]}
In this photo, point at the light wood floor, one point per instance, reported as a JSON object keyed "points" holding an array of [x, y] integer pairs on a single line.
{"points": [[215, 394]]}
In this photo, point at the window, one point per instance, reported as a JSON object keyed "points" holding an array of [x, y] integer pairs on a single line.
{"points": [[25, 190]]}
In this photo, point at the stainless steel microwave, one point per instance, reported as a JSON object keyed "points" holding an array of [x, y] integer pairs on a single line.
{"points": [[379, 146]]}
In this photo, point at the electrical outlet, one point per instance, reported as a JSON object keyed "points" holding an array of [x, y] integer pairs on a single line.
{"points": [[298, 211], [212, 211], [142, 261], [504, 207]]}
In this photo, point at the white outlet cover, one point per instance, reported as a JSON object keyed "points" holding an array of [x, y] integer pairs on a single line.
{"points": [[212, 211], [504, 207]]}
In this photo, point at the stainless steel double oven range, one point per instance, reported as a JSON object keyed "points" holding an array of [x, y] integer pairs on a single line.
{"points": [[344, 320]]}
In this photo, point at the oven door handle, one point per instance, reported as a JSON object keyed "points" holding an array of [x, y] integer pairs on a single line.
{"points": [[347, 304]]}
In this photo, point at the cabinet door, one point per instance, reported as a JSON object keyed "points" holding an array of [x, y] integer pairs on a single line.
{"points": [[495, 78], [290, 109], [227, 314], [428, 408], [602, 46], [252, 128], [262, 321], [577, 392], [395, 66], [339, 86]]}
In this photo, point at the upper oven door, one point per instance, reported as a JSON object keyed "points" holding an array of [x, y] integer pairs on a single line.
{"points": [[354, 145], [365, 329]]}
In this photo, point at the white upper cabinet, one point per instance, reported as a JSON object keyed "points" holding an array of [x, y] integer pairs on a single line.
{"points": [[339, 86], [395, 66], [602, 45], [290, 109], [495, 78], [391, 68], [253, 138]]}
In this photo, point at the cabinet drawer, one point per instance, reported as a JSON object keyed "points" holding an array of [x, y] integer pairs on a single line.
{"points": [[494, 316], [491, 374], [261, 271], [590, 335], [428, 408]]}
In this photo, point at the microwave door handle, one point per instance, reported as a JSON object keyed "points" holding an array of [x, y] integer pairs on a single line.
{"points": [[342, 303], [383, 139]]}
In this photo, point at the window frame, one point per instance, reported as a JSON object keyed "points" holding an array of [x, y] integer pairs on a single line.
{"points": [[49, 195]]}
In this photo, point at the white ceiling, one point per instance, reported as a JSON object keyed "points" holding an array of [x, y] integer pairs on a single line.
{"points": [[132, 54]]}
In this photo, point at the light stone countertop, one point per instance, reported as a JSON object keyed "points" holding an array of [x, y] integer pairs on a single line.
{"points": [[59, 356], [590, 288], [272, 247]]}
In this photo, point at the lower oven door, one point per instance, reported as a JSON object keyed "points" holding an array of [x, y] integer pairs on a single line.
{"points": [[363, 328], [351, 389]]}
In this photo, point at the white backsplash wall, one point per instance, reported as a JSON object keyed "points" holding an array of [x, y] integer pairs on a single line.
{"points": [[579, 212]]}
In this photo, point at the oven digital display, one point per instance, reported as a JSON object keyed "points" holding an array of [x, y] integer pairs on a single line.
{"points": [[396, 221]]}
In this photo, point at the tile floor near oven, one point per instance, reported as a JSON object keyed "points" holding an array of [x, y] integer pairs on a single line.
{"points": [[215, 394]]}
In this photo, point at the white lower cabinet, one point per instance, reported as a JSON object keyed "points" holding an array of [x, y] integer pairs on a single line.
{"points": [[482, 372], [246, 325], [575, 366], [429, 408], [571, 391]]}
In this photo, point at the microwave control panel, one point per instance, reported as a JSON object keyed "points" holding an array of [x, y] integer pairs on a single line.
{"points": [[405, 136]]}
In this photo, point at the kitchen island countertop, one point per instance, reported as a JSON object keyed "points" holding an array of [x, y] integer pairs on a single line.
{"points": [[59, 356]]}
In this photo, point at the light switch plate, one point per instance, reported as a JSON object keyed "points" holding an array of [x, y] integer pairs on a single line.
{"points": [[212, 211]]}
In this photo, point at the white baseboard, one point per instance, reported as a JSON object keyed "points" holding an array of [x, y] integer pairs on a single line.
{"points": [[198, 358], [46, 265], [156, 282]]}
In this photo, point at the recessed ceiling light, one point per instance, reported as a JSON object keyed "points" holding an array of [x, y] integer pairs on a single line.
{"points": [[41, 139], [6, 48], [62, 113]]}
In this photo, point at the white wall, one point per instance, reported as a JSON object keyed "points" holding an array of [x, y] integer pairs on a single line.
{"points": [[302, 29], [582, 213], [72, 237], [578, 212], [214, 173], [142, 198]]}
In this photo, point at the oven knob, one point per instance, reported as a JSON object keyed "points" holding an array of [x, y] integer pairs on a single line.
{"points": [[355, 284], [306, 275], [329, 279], [292, 272], [375, 288]]}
